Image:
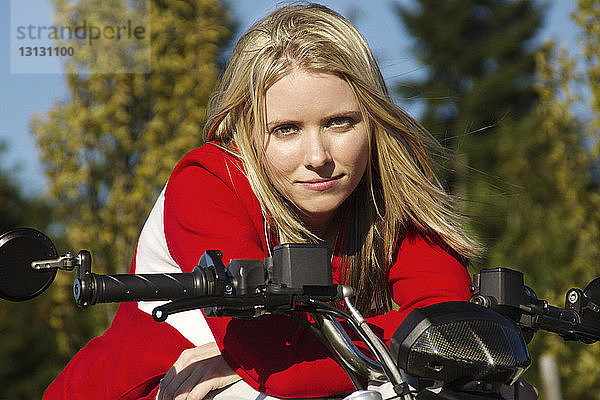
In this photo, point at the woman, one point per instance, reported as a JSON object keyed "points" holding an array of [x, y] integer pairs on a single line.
{"points": [[304, 145]]}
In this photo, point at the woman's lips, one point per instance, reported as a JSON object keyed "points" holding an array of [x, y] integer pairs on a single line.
{"points": [[321, 183]]}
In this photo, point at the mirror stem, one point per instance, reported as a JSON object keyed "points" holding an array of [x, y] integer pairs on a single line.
{"points": [[66, 262]]}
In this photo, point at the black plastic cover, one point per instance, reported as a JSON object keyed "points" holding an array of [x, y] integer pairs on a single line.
{"points": [[460, 342], [299, 265], [503, 284], [591, 312]]}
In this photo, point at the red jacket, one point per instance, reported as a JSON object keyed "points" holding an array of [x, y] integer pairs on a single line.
{"points": [[208, 204]]}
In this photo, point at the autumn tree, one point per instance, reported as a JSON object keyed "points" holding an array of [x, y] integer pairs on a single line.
{"points": [[133, 109], [552, 220], [26, 335], [526, 163], [109, 148]]}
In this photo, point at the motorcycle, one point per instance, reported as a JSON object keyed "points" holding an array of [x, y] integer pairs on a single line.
{"points": [[455, 350]]}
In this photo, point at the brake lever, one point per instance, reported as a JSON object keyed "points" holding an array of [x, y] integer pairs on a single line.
{"points": [[246, 306]]}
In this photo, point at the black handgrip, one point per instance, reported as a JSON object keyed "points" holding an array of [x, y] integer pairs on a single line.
{"points": [[144, 287]]}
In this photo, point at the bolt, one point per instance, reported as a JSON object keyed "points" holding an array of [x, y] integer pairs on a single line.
{"points": [[573, 297]]}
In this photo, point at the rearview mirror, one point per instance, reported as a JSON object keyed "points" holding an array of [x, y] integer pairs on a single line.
{"points": [[18, 249]]}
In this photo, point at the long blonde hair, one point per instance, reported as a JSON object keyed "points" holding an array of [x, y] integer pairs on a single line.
{"points": [[400, 188]]}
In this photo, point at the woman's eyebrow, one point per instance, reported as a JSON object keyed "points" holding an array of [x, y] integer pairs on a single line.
{"points": [[356, 114], [277, 122]]}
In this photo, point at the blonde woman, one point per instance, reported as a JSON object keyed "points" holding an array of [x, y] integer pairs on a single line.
{"points": [[303, 145]]}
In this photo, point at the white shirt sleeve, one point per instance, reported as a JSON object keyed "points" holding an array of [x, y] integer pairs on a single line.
{"points": [[153, 257]]}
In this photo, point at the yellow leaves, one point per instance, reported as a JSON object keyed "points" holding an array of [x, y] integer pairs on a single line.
{"points": [[109, 147], [588, 18], [570, 129]]}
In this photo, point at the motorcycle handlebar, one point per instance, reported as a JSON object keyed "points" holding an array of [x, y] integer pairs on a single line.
{"points": [[90, 288], [293, 270], [144, 287], [503, 290]]}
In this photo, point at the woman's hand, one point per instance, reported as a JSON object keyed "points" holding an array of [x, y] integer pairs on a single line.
{"points": [[196, 372]]}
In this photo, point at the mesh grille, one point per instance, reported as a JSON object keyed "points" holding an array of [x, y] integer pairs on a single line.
{"points": [[456, 350]]}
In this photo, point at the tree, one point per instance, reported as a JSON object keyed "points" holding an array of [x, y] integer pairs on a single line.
{"points": [[479, 62], [553, 225], [525, 163], [110, 147], [131, 113], [26, 336], [15, 209], [552, 217], [480, 66]]}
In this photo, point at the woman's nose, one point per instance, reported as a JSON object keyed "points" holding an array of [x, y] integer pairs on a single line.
{"points": [[316, 150]]}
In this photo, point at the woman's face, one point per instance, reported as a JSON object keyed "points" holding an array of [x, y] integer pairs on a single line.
{"points": [[316, 144]]}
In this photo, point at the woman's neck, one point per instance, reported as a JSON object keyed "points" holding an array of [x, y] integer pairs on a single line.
{"points": [[328, 230]]}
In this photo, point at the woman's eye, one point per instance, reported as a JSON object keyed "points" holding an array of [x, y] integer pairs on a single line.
{"points": [[284, 130], [341, 123]]}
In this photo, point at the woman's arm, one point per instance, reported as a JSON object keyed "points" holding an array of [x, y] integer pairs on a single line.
{"points": [[422, 274]]}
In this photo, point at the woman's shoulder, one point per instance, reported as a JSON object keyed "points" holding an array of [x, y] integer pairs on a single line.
{"points": [[422, 246], [210, 154], [427, 271], [212, 160], [210, 176], [208, 202]]}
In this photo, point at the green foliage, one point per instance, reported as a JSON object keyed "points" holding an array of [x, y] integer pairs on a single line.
{"points": [[568, 233], [481, 70], [550, 220], [479, 87], [15, 209], [479, 63], [10, 200], [26, 335], [36, 344], [525, 163], [109, 147]]}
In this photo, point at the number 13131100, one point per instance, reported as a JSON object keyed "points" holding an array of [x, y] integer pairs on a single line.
{"points": [[46, 51]]}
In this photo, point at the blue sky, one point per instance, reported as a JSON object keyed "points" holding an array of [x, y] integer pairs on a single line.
{"points": [[23, 94]]}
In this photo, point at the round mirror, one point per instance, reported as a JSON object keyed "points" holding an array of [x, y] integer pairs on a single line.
{"points": [[18, 248]]}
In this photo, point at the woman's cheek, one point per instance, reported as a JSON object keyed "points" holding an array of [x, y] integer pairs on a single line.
{"points": [[282, 160]]}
